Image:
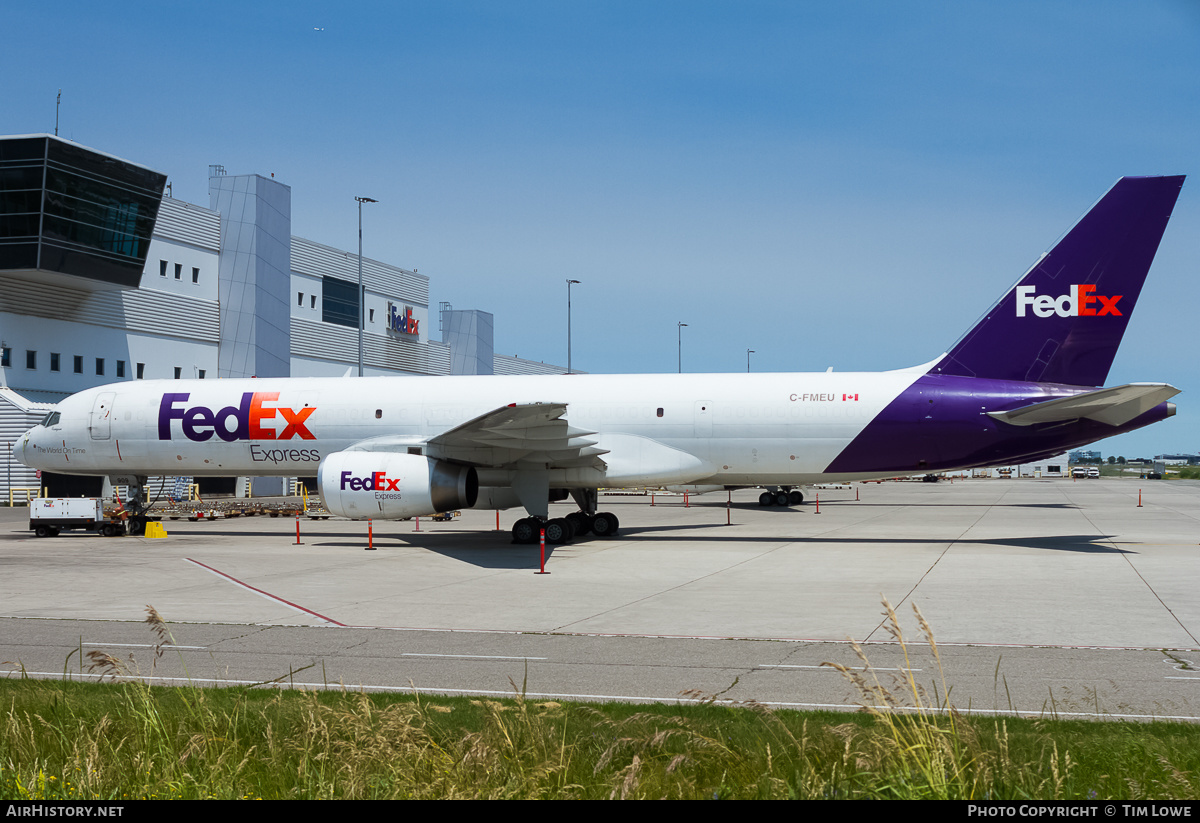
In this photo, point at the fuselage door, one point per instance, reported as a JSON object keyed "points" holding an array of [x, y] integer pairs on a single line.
{"points": [[101, 420]]}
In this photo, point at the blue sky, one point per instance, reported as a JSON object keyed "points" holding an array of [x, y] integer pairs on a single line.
{"points": [[829, 184]]}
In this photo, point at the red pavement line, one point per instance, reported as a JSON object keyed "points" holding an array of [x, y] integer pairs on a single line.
{"points": [[267, 595]]}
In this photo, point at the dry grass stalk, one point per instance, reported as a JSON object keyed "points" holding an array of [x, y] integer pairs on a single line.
{"points": [[926, 736], [105, 665], [161, 633]]}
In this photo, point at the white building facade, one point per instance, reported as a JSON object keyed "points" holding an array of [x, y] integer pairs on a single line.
{"points": [[91, 294]]}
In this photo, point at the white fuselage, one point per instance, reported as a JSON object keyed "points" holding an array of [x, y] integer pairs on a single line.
{"points": [[733, 429]]}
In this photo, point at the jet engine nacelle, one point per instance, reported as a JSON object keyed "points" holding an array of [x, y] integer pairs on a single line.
{"points": [[390, 486]]}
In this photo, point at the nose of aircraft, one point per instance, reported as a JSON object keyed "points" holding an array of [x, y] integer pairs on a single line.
{"points": [[22, 448], [34, 446]]}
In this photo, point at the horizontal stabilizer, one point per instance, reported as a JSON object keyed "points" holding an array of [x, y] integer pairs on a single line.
{"points": [[1114, 406]]}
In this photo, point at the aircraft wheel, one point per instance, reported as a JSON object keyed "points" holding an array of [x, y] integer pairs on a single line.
{"points": [[559, 531], [605, 525], [581, 522], [781, 499], [137, 526], [766, 499], [795, 498], [526, 531]]}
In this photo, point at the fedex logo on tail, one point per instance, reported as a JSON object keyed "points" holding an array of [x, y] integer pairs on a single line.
{"points": [[1080, 301], [241, 422]]}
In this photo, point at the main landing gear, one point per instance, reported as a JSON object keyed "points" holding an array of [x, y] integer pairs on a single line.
{"points": [[561, 530], [576, 524], [782, 496]]}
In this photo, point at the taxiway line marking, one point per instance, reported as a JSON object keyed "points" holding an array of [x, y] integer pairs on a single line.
{"points": [[473, 656], [1040, 712]]}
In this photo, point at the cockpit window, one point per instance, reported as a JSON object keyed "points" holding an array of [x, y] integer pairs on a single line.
{"points": [[51, 419]]}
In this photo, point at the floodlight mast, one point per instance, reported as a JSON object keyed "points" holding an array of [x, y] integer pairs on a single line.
{"points": [[569, 282], [361, 295], [679, 330]]}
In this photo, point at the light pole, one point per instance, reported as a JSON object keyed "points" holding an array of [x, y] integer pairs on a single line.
{"points": [[569, 282], [748, 353], [361, 295], [679, 331]]}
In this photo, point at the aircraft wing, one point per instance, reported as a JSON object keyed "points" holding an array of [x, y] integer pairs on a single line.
{"points": [[535, 433], [1114, 406]]}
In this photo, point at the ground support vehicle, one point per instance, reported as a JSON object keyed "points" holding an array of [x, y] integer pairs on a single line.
{"points": [[50, 515]]}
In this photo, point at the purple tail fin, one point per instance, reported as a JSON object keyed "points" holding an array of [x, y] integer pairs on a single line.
{"points": [[1063, 322]]}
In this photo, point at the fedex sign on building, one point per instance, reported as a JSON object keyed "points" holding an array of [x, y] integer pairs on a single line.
{"points": [[246, 421], [401, 319]]}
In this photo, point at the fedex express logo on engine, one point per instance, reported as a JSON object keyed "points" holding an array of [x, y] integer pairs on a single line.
{"points": [[241, 422], [374, 482], [1080, 301]]}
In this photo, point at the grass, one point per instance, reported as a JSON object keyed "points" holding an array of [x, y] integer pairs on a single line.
{"points": [[123, 739]]}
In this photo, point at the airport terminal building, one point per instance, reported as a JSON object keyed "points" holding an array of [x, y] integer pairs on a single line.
{"points": [[105, 278]]}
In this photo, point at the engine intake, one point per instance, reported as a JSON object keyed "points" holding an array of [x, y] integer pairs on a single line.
{"points": [[391, 486]]}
